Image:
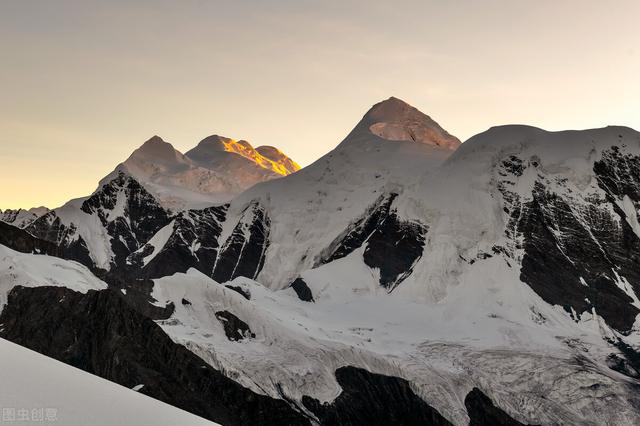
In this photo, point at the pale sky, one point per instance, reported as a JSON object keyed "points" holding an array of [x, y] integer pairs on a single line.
{"points": [[83, 82]]}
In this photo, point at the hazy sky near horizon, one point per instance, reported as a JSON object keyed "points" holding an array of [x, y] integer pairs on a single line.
{"points": [[84, 82]]}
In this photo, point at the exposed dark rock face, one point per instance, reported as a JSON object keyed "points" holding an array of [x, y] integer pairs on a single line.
{"points": [[100, 333], [243, 253], [482, 411], [393, 246], [512, 166], [245, 293], [49, 227], [129, 214], [22, 241], [9, 215], [137, 294], [234, 327], [618, 174], [354, 237], [560, 250], [141, 216], [302, 290], [193, 243], [627, 364], [577, 254], [373, 399]]}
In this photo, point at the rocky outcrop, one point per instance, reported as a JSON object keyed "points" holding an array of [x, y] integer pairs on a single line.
{"points": [[72, 246], [243, 292], [626, 361], [100, 333], [193, 243], [373, 399], [234, 328], [482, 411], [129, 213], [393, 248], [243, 253], [302, 290], [579, 250], [391, 245], [122, 212], [356, 235], [20, 240]]}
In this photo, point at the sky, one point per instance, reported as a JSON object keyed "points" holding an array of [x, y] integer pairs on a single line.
{"points": [[83, 82]]}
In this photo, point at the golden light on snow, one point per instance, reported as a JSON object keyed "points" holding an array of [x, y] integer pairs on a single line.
{"points": [[278, 162]]}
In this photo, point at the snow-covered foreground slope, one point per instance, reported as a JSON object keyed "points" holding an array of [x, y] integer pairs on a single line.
{"points": [[34, 383]]}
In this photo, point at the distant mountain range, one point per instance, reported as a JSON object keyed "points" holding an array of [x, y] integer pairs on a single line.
{"points": [[216, 170], [402, 278], [22, 217]]}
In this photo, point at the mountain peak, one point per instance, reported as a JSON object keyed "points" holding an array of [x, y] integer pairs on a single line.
{"points": [[278, 157], [155, 139], [391, 108], [154, 142], [157, 150], [394, 119], [266, 157], [215, 142]]}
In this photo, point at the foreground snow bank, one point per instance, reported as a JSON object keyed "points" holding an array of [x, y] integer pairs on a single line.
{"points": [[31, 393]]}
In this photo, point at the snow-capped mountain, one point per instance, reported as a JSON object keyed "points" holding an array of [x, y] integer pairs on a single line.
{"points": [[395, 120], [101, 230], [214, 171], [210, 153], [289, 225], [312, 209], [22, 217], [145, 192], [401, 278], [518, 254]]}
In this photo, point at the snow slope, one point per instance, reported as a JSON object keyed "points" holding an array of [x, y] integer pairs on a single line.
{"points": [[472, 312], [33, 382], [443, 349], [309, 209], [30, 270]]}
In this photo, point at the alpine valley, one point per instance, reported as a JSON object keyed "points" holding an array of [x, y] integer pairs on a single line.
{"points": [[402, 278]]}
